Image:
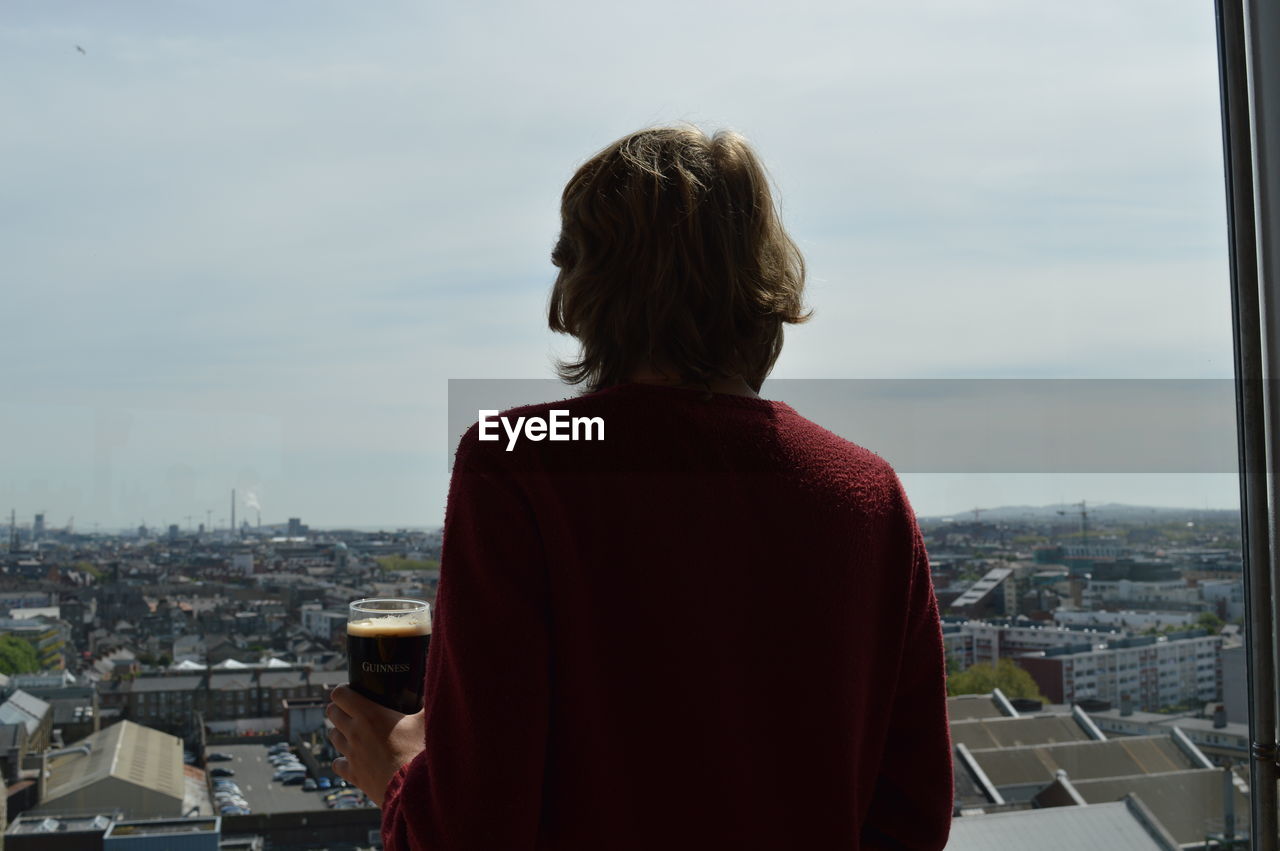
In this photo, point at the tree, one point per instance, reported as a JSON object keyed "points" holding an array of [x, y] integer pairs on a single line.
{"points": [[403, 563], [1004, 675], [1210, 621], [17, 656]]}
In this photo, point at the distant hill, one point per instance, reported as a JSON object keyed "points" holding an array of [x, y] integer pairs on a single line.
{"points": [[1109, 512]]}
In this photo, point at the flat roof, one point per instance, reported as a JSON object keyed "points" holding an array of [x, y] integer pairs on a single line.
{"points": [[1185, 721], [1038, 729], [964, 706], [37, 823], [164, 827], [1110, 825], [1188, 803], [1089, 760], [25, 709]]}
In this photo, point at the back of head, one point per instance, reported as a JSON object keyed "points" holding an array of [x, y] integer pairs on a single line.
{"points": [[672, 256]]}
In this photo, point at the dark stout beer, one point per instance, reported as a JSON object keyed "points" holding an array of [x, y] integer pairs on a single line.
{"points": [[387, 656]]}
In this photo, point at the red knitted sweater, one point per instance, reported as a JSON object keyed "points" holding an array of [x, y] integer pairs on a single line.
{"points": [[714, 629]]}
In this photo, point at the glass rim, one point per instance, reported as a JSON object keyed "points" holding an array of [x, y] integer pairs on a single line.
{"points": [[361, 606]]}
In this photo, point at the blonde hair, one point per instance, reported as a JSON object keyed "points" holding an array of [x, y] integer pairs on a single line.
{"points": [[672, 254]]}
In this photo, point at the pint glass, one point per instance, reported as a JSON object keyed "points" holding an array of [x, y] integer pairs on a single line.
{"points": [[387, 642]]}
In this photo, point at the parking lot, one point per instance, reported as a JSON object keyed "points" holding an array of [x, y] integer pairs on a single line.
{"points": [[253, 774]]}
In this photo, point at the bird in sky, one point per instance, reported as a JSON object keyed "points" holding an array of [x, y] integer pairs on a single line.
{"points": [[81, 49]]}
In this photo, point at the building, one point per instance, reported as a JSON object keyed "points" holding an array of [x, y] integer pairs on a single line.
{"points": [[1118, 824], [1222, 741], [228, 691], [277, 686], [1136, 621], [1155, 672], [13, 749], [242, 563], [303, 715], [988, 596], [127, 767], [969, 642], [34, 714], [38, 832], [1225, 596], [168, 701], [49, 636], [188, 834], [1018, 774], [1140, 594], [1191, 805], [1235, 688], [328, 625], [74, 704]]}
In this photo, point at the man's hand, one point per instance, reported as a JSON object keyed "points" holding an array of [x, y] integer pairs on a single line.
{"points": [[374, 741]]}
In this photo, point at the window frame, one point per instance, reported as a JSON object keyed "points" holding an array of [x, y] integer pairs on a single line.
{"points": [[1248, 32]]}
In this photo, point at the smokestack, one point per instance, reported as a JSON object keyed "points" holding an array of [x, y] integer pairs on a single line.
{"points": [[233, 512]]}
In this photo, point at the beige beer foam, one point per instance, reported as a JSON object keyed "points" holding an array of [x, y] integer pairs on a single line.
{"points": [[391, 626]]}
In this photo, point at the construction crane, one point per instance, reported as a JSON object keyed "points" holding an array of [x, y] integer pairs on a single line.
{"points": [[1084, 520]]}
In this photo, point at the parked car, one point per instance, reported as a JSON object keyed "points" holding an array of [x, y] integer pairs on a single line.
{"points": [[309, 785], [294, 780], [343, 796], [324, 783], [222, 772]]}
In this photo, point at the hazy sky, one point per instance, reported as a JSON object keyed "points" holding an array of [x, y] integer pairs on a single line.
{"points": [[246, 244]]}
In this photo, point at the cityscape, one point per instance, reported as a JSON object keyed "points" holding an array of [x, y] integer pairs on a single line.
{"points": [[171, 682]]}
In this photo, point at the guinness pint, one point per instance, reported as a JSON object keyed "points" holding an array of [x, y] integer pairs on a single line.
{"points": [[387, 642]]}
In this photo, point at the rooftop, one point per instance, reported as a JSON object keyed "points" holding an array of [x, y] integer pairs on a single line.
{"points": [[1110, 825], [25, 709], [35, 823], [959, 708], [149, 684], [1187, 803], [982, 587], [985, 733], [1021, 772], [164, 827], [125, 751]]}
